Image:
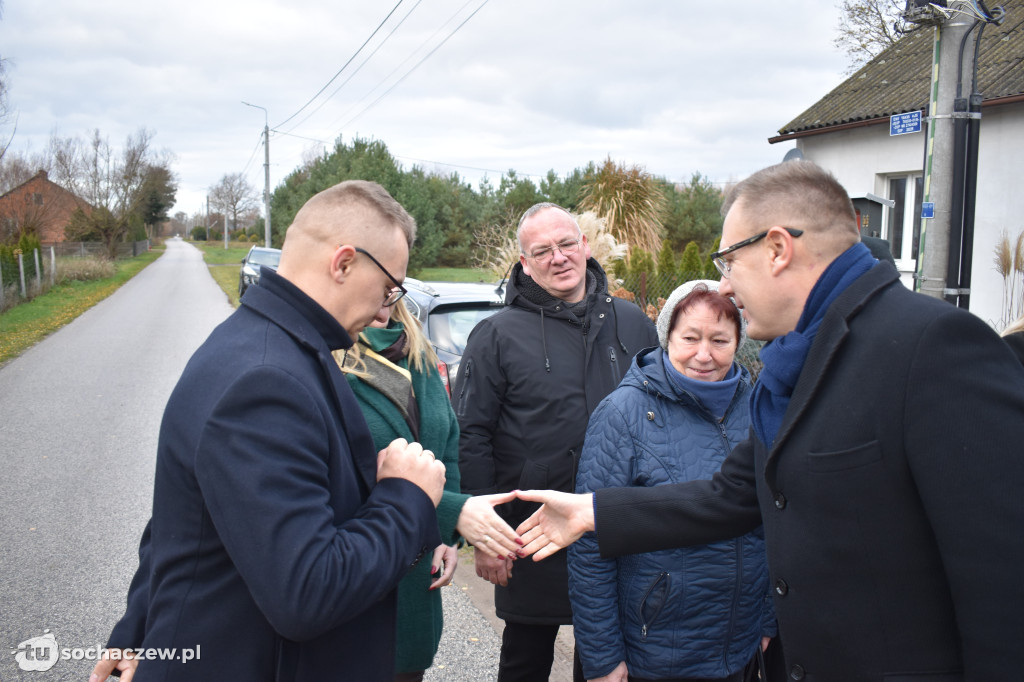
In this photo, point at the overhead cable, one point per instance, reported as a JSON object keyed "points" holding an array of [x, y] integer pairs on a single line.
{"points": [[335, 76]]}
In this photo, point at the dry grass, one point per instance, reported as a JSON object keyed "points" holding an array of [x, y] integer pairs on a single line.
{"points": [[631, 201], [1009, 263], [83, 269]]}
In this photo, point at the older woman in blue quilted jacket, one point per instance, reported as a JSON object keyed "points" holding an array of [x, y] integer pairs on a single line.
{"points": [[695, 613]]}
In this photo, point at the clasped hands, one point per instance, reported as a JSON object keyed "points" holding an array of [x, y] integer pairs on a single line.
{"points": [[561, 520]]}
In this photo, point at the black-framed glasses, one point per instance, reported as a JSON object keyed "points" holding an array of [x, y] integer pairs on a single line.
{"points": [[566, 248], [725, 267], [392, 296]]}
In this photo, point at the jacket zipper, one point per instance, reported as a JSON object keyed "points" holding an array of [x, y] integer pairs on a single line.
{"points": [[662, 579], [463, 383]]}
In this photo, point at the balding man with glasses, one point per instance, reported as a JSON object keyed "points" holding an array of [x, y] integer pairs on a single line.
{"points": [[885, 459], [530, 377], [278, 534]]}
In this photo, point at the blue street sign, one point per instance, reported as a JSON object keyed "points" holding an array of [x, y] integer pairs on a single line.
{"points": [[927, 209], [901, 124]]}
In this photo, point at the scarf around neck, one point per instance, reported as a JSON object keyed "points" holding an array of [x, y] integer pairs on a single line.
{"points": [[784, 356], [713, 396], [385, 353]]}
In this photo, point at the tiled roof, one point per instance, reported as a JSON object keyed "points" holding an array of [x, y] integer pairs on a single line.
{"points": [[898, 80]]}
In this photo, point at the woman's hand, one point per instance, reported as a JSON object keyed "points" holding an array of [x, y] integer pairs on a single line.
{"points": [[485, 530], [446, 559]]}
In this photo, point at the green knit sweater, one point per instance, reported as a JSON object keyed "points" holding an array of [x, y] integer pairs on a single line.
{"points": [[420, 617]]}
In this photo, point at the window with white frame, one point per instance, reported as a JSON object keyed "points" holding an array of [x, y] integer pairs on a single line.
{"points": [[903, 221]]}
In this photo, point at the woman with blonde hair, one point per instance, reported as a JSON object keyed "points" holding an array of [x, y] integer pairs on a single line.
{"points": [[1014, 337], [392, 369]]}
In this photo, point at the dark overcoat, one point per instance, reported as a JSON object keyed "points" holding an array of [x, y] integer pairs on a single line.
{"points": [[891, 498], [271, 547]]}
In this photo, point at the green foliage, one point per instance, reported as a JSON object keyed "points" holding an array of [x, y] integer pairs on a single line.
{"points": [[450, 214], [156, 196], [199, 233], [710, 271], [693, 213], [518, 194], [566, 192], [666, 259], [690, 265]]}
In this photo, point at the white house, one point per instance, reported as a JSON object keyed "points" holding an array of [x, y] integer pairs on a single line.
{"points": [[848, 132]]}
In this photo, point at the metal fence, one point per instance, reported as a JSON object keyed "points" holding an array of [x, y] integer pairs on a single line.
{"points": [[124, 249], [25, 275]]}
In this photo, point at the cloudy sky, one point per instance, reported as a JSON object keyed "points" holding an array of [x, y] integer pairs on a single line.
{"points": [[476, 87]]}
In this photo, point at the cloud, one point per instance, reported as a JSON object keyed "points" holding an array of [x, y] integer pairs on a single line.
{"points": [[532, 86]]}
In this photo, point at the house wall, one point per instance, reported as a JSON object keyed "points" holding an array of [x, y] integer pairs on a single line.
{"points": [[863, 159], [38, 205]]}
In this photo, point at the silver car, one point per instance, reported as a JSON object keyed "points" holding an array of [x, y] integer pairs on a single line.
{"points": [[448, 312], [250, 272]]}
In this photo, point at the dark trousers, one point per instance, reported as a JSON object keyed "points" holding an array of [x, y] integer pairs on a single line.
{"points": [[527, 652]]}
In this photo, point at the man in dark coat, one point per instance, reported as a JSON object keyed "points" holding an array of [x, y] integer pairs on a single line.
{"points": [[530, 377], [277, 538], [884, 459]]}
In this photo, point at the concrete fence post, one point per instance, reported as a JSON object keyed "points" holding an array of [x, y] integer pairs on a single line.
{"points": [[21, 272]]}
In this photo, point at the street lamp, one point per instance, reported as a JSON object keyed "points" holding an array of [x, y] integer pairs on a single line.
{"points": [[266, 169]]}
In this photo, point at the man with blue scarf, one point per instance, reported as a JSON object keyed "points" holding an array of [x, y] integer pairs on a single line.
{"points": [[885, 458]]}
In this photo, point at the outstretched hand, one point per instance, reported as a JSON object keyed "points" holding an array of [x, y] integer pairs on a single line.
{"points": [[485, 530], [561, 521]]}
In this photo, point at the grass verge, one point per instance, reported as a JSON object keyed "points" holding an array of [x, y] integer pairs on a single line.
{"points": [[453, 275], [25, 325]]}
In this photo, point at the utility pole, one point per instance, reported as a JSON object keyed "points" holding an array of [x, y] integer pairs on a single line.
{"points": [[950, 166], [266, 171]]}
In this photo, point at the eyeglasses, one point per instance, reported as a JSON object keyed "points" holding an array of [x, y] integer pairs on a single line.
{"points": [[566, 248], [725, 267], [392, 296]]}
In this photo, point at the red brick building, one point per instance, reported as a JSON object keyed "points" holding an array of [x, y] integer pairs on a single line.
{"points": [[38, 206]]}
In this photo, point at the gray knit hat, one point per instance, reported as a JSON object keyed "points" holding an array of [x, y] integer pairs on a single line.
{"points": [[681, 292]]}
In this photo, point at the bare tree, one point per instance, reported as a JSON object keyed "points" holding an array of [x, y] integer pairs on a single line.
{"points": [[112, 181], [5, 112], [866, 28], [234, 196]]}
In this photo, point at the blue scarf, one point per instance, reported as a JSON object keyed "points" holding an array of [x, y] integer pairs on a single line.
{"points": [[715, 396], [784, 356]]}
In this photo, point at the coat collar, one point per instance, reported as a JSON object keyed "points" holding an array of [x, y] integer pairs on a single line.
{"points": [[315, 330], [834, 329]]}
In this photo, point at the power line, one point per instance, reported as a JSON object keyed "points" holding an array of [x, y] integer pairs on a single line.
{"points": [[328, 83], [418, 64], [358, 68]]}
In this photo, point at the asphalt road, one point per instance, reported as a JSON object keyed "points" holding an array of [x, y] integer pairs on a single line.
{"points": [[79, 417]]}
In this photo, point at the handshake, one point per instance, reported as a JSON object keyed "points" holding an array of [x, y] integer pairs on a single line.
{"points": [[562, 519]]}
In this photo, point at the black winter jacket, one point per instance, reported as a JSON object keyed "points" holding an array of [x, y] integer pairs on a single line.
{"points": [[529, 380]]}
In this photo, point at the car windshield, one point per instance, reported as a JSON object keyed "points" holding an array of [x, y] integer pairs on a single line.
{"points": [[269, 258], [450, 327]]}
